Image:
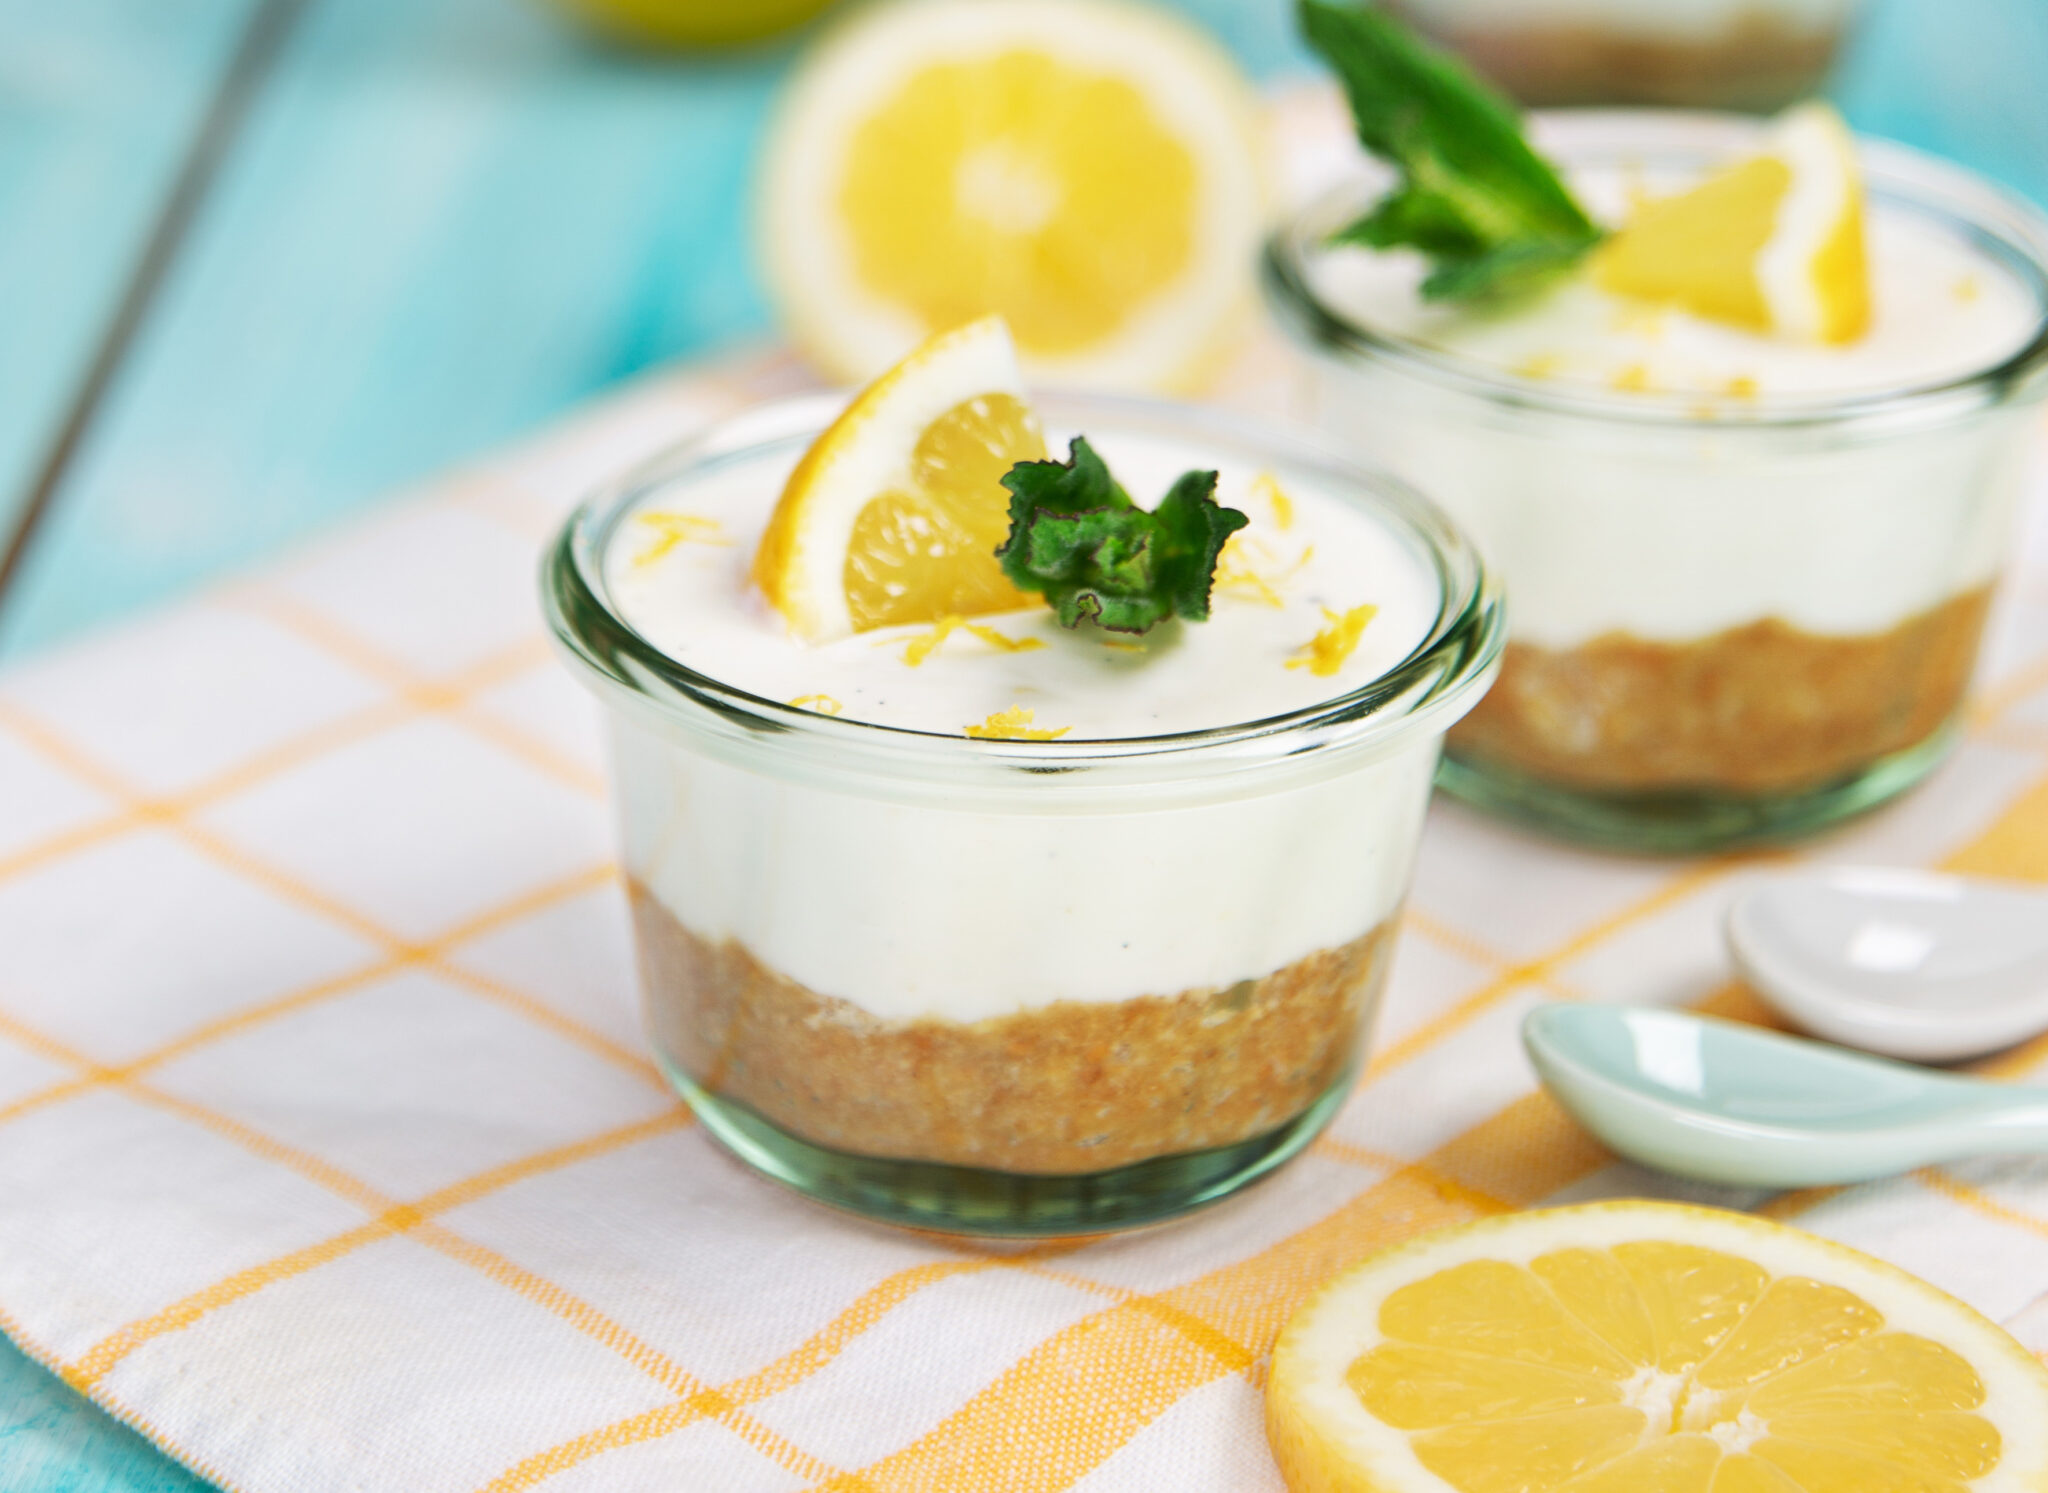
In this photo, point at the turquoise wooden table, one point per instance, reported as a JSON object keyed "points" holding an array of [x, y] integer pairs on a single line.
{"points": [[263, 260]]}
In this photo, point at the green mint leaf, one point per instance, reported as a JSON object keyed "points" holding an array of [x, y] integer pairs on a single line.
{"points": [[1510, 270], [1077, 539], [1193, 528], [1491, 213]]}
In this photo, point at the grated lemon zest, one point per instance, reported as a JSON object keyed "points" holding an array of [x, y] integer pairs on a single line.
{"points": [[1742, 386], [1267, 486], [1968, 288], [1539, 367], [672, 529], [1638, 319], [924, 645], [823, 704], [1326, 652], [1250, 569], [1013, 724], [1634, 379]]}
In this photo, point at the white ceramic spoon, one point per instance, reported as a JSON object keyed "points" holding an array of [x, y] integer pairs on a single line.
{"points": [[1724, 1102], [1905, 963]]}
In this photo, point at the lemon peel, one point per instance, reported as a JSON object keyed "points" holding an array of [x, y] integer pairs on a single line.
{"points": [[673, 529], [1325, 653], [1268, 487], [1014, 724], [1249, 568], [822, 704], [918, 649]]}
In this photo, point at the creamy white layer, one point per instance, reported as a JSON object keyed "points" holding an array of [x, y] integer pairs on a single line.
{"points": [[1701, 20], [915, 911], [1676, 530], [1941, 309], [695, 603]]}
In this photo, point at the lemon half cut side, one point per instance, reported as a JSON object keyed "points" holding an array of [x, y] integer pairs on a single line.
{"points": [[895, 513], [1087, 169], [1774, 243], [1640, 1347]]}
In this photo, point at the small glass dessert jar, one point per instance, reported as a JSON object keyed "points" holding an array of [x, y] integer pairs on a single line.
{"points": [[1737, 613], [1015, 987], [1721, 54]]}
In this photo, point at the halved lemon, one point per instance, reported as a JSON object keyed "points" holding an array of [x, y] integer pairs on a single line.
{"points": [[1087, 169], [894, 514], [1773, 243], [694, 23], [1637, 1347]]}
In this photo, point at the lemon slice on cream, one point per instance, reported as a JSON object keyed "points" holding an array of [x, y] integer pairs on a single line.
{"points": [[1774, 243], [894, 514]]}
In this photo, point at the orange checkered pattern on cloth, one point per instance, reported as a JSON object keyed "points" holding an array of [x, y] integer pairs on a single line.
{"points": [[329, 1156]]}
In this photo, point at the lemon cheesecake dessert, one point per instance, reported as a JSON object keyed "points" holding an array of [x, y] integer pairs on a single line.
{"points": [[1016, 796], [1739, 410]]}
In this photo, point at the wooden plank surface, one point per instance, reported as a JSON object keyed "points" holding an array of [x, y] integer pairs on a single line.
{"points": [[444, 222], [99, 102], [53, 1441]]}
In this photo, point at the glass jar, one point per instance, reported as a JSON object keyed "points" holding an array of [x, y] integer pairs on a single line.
{"points": [[1721, 54], [1730, 621], [1015, 987]]}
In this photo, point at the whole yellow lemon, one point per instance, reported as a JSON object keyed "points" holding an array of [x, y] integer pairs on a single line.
{"points": [[694, 23]]}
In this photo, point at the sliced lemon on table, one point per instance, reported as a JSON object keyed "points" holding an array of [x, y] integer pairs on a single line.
{"points": [[694, 23], [1087, 169], [894, 514], [1637, 1347], [1773, 242]]}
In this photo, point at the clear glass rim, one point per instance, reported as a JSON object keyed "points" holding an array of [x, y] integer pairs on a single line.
{"points": [[1439, 679], [2012, 229]]}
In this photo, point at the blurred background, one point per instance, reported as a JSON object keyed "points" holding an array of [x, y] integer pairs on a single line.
{"points": [[264, 261]]}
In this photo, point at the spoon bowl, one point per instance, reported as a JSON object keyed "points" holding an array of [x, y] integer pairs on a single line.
{"points": [[1904, 963], [1723, 1102]]}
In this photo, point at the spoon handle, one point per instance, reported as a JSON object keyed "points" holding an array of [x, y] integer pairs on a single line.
{"points": [[2012, 1123]]}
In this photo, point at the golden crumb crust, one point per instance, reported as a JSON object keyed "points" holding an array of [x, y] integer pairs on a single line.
{"points": [[1067, 1088], [1763, 708]]}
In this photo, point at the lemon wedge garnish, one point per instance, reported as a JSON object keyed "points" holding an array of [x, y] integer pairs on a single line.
{"points": [[1638, 1347], [894, 514], [1773, 243], [1089, 170]]}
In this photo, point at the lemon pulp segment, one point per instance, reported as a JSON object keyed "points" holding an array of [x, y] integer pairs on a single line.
{"points": [[928, 550], [1666, 1368], [1699, 250], [1021, 185]]}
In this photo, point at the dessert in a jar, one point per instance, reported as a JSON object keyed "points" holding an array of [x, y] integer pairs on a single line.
{"points": [[1039, 894], [1723, 54], [1744, 450]]}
